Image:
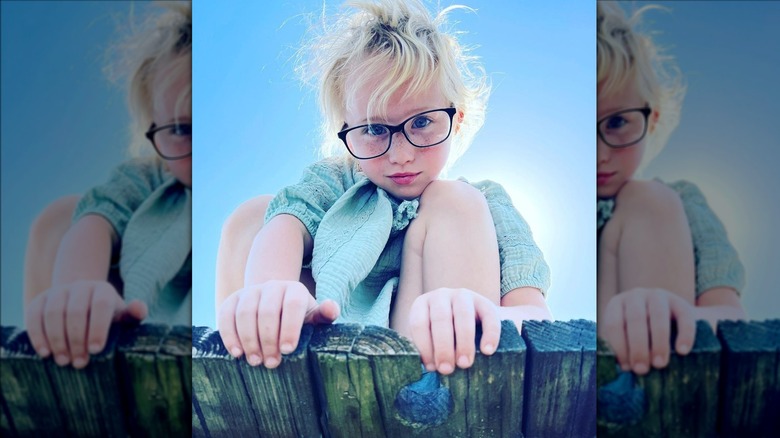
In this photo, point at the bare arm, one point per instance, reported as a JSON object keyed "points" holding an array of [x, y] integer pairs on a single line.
{"points": [[717, 304], [522, 304]]}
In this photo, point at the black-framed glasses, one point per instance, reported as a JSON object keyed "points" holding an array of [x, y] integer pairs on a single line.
{"points": [[172, 142], [422, 130], [624, 128]]}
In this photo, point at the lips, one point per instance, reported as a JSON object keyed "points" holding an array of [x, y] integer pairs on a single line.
{"points": [[604, 177], [404, 178]]}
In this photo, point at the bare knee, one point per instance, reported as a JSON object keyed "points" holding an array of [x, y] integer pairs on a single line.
{"points": [[455, 199], [54, 220], [246, 220], [648, 199]]}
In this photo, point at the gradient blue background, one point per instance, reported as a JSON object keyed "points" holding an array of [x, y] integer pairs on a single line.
{"points": [[728, 140], [256, 128]]}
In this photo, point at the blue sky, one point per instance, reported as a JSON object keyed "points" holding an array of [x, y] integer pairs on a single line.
{"points": [[256, 127]]}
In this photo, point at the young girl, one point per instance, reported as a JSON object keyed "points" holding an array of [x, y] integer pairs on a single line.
{"points": [[127, 253], [387, 242], [663, 254]]}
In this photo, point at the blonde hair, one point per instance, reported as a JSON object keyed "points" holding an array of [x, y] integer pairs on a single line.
{"points": [[625, 56], [400, 34], [161, 42]]}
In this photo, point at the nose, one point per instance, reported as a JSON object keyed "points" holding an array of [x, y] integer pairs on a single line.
{"points": [[401, 151], [603, 152]]}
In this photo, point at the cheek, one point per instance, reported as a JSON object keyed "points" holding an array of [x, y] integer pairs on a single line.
{"points": [[182, 170]]}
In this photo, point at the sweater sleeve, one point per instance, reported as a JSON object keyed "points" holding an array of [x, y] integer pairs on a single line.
{"points": [[319, 188], [128, 186], [522, 262], [717, 262]]}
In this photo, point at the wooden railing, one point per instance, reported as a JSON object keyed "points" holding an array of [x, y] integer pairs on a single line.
{"points": [[140, 385], [355, 381], [728, 385]]}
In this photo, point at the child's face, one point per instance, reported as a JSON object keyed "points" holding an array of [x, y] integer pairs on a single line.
{"points": [[616, 166], [404, 170], [166, 92]]}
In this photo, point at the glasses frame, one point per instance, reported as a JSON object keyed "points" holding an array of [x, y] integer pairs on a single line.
{"points": [[153, 129], [451, 111], [646, 111]]}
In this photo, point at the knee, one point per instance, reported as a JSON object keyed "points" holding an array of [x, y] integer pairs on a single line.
{"points": [[455, 199], [54, 220], [649, 200], [246, 220]]}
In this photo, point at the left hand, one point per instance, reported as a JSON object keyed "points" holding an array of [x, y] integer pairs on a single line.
{"points": [[443, 327]]}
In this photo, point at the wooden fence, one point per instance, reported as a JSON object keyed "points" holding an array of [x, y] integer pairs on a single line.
{"points": [[140, 385], [355, 381], [728, 385]]}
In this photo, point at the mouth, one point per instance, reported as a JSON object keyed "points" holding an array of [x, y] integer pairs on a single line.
{"points": [[604, 177], [404, 178]]}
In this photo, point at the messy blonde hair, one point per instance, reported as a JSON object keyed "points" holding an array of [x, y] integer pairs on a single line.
{"points": [[403, 35], [625, 56], [161, 42]]}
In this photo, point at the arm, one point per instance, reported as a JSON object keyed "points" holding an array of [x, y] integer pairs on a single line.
{"points": [[524, 303], [717, 304]]}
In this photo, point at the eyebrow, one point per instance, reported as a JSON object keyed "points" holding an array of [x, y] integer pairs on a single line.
{"points": [[412, 113]]}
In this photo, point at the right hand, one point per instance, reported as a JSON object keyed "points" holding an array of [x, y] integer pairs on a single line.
{"points": [[264, 320], [72, 320]]}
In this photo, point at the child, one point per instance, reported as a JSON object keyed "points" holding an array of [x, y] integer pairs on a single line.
{"points": [[663, 254], [387, 241], [138, 225]]}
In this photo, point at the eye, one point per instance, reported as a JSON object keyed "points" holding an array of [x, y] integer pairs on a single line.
{"points": [[615, 122], [375, 130], [421, 122]]}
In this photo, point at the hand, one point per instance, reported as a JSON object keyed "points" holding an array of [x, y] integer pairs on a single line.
{"points": [[637, 323], [69, 320], [264, 320], [443, 326]]}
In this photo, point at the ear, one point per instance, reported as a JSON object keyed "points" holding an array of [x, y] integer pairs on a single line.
{"points": [[458, 120], [654, 116]]}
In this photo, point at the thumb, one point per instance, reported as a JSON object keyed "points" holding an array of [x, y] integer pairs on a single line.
{"points": [[135, 310], [322, 313]]}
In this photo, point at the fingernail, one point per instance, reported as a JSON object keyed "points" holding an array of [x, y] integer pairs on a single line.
{"points": [[271, 362], [44, 352], [684, 349], [255, 360], [446, 368], [79, 362], [488, 349], [235, 351], [640, 368], [94, 348], [430, 367], [658, 361], [463, 361], [62, 360], [287, 348], [625, 367]]}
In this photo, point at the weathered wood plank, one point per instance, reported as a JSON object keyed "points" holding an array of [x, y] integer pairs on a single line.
{"points": [[90, 399], [750, 378], [283, 397], [338, 389], [219, 389], [679, 400], [174, 368], [560, 385], [29, 398]]}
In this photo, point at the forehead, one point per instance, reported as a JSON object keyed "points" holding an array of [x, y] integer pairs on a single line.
{"points": [[170, 88], [627, 96], [374, 99]]}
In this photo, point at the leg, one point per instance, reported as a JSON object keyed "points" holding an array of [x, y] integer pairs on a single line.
{"points": [[44, 240], [238, 232], [451, 244]]}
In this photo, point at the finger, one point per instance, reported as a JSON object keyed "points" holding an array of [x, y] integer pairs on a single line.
{"points": [[442, 333], [682, 312], [133, 311], [637, 335], [269, 314], [246, 325], [464, 322], [34, 323], [54, 326], [105, 301], [76, 324], [659, 320], [487, 313], [296, 305], [325, 313], [420, 326], [226, 323], [613, 330]]}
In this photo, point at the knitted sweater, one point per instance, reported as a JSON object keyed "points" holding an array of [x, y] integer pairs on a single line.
{"points": [[358, 231]]}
